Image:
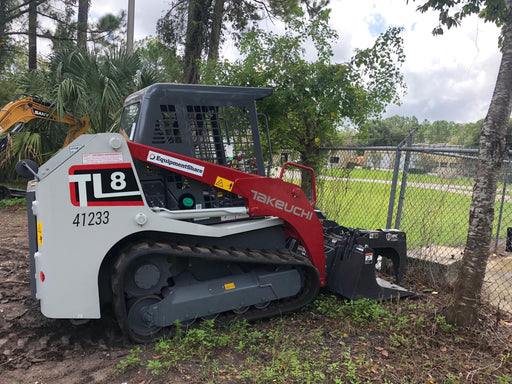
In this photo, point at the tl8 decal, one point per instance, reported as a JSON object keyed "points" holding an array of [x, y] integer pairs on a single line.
{"points": [[103, 185]]}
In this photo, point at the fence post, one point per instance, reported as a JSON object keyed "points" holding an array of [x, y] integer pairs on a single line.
{"points": [[394, 181], [407, 161], [396, 169], [503, 192]]}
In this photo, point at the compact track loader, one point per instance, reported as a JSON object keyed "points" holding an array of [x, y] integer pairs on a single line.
{"points": [[180, 222]]}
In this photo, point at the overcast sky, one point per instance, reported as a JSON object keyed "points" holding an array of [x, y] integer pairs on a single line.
{"points": [[449, 77]]}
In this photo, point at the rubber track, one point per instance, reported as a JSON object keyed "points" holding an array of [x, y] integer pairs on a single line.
{"points": [[273, 258]]}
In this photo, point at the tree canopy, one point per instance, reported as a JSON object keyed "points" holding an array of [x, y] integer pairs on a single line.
{"points": [[21, 27], [77, 82], [313, 96], [199, 27]]}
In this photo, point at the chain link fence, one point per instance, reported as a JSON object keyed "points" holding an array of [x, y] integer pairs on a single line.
{"points": [[424, 191]]}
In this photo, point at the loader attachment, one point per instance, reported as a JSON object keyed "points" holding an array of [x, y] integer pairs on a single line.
{"points": [[351, 259]]}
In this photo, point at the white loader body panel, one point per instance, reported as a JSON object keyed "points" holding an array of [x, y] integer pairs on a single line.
{"points": [[87, 199]]}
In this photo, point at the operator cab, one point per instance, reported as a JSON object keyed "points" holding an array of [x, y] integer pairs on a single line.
{"points": [[217, 124]]}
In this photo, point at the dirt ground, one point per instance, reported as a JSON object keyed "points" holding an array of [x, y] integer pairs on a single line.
{"points": [[34, 349]]}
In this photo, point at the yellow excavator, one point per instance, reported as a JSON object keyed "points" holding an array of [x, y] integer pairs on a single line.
{"points": [[24, 108]]}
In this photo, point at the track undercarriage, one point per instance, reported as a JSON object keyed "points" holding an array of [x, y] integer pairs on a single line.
{"points": [[157, 284]]}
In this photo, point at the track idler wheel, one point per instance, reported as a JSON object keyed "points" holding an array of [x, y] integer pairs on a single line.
{"points": [[140, 318]]}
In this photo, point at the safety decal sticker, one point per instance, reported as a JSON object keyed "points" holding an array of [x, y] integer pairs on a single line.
{"points": [[224, 183], [74, 148], [229, 286], [391, 237], [102, 158], [39, 233], [174, 163], [104, 185]]}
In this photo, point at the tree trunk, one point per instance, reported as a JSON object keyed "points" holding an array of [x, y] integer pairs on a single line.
{"points": [[32, 35], [311, 159], [216, 31], [468, 288], [83, 18], [194, 43], [3, 30]]}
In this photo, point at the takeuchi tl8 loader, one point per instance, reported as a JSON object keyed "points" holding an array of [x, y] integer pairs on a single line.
{"points": [[180, 221]]}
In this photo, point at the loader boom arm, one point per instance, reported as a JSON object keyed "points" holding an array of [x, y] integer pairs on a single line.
{"points": [[28, 108], [263, 196]]}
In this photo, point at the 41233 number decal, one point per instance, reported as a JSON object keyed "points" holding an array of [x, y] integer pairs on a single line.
{"points": [[91, 218]]}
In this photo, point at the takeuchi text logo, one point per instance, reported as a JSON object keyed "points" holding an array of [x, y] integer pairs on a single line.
{"points": [[281, 205]]}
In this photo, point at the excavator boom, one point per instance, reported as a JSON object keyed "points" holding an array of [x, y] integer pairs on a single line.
{"points": [[22, 110]]}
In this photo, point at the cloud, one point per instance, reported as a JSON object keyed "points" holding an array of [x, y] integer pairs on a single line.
{"points": [[449, 93], [147, 12], [449, 77]]}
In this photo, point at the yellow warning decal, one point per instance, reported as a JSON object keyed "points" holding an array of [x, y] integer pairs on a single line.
{"points": [[224, 184], [39, 233], [229, 286]]}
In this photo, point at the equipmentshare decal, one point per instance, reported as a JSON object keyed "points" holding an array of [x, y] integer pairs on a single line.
{"points": [[103, 185], [174, 163]]}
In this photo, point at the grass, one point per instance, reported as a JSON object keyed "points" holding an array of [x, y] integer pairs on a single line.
{"points": [[435, 217], [374, 174], [329, 342], [429, 215], [14, 202], [132, 361]]}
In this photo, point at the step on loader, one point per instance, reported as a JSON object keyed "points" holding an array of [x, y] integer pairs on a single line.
{"points": [[177, 219]]}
